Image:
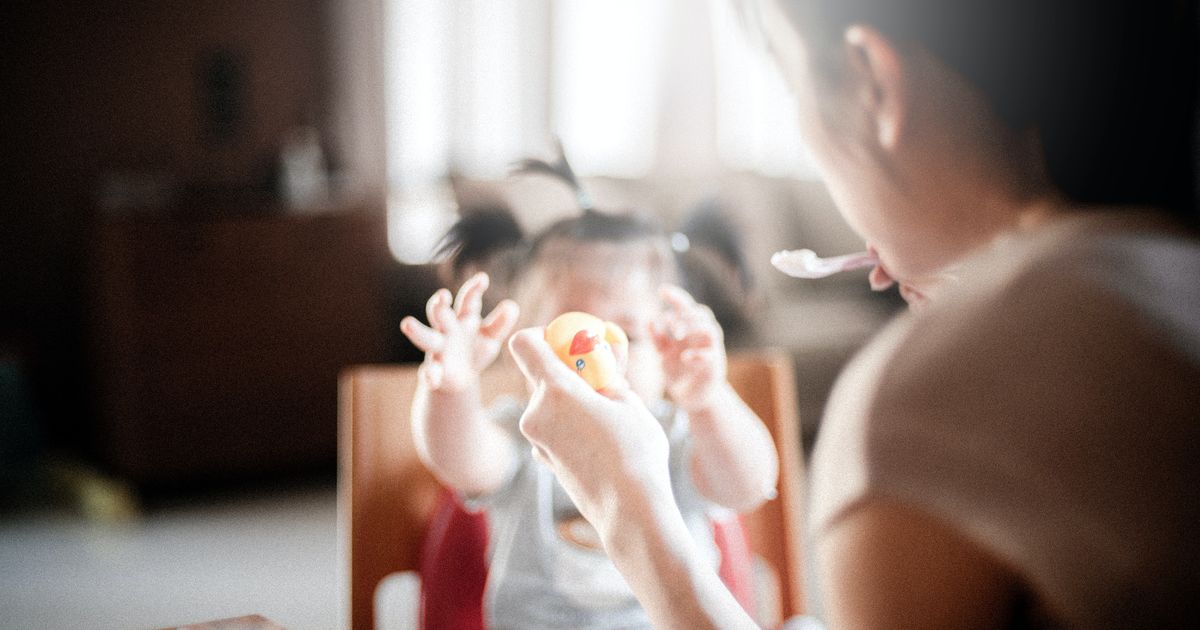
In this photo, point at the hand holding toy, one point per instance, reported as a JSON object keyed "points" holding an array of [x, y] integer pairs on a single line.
{"points": [[588, 345]]}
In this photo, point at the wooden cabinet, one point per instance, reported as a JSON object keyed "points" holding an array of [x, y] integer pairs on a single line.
{"points": [[217, 343]]}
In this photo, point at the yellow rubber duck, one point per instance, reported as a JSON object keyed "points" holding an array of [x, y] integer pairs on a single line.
{"points": [[588, 345]]}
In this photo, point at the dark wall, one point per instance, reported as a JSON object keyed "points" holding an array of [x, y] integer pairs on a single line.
{"points": [[194, 95]]}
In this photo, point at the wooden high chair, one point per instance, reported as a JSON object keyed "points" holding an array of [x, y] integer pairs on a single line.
{"points": [[386, 497]]}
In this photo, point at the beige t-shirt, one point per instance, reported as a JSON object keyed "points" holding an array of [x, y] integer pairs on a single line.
{"points": [[1048, 407]]}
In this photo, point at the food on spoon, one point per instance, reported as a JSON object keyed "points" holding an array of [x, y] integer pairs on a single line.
{"points": [[805, 263]]}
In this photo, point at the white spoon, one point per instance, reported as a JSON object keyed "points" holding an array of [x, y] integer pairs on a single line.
{"points": [[805, 263]]}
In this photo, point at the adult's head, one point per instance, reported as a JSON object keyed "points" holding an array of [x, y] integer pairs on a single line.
{"points": [[938, 123]]}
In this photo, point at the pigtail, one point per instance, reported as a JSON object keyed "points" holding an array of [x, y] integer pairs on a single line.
{"points": [[708, 249], [560, 170], [479, 236], [709, 227], [558, 242]]}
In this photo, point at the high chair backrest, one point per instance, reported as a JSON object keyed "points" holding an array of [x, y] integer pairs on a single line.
{"points": [[386, 497]]}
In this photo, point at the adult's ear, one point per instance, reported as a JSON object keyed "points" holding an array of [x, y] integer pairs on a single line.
{"points": [[882, 83]]}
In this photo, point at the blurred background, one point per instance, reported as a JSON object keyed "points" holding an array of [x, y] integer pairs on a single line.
{"points": [[209, 208]]}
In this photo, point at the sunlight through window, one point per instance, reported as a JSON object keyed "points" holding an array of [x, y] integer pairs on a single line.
{"points": [[471, 86], [607, 66], [757, 127]]}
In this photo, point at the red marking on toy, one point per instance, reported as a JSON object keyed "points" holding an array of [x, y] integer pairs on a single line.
{"points": [[588, 345], [583, 342]]}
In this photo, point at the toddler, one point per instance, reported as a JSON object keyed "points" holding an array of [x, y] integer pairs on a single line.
{"points": [[547, 568]]}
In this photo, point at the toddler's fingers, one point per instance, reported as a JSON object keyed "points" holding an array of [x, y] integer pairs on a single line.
{"points": [[501, 320], [677, 298], [669, 325], [696, 356], [470, 296], [701, 326], [670, 338], [659, 332], [422, 336], [700, 315], [675, 323], [687, 309], [438, 309], [699, 338], [432, 373]]}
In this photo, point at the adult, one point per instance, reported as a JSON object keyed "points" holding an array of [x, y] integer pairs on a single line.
{"points": [[1022, 450]]}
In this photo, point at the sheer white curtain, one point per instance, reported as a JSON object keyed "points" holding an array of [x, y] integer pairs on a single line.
{"points": [[634, 88], [465, 84], [757, 127], [473, 85], [607, 76]]}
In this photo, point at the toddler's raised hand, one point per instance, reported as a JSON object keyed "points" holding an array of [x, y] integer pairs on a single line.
{"points": [[692, 345], [459, 343]]}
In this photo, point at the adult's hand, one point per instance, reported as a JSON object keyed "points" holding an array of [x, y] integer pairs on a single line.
{"points": [[607, 449], [610, 455]]}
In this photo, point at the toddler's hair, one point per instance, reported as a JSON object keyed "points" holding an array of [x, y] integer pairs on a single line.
{"points": [[492, 235], [479, 237], [709, 261], [716, 272], [709, 227]]}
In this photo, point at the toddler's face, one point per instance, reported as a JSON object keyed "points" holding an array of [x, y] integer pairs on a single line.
{"points": [[615, 289]]}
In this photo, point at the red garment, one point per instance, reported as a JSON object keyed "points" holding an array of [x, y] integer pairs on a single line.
{"points": [[453, 566]]}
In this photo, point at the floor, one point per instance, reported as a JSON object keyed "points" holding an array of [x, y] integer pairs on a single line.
{"points": [[272, 553]]}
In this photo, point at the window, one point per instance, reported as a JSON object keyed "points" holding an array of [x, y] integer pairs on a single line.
{"points": [[606, 90], [757, 127], [474, 85], [463, 96]]}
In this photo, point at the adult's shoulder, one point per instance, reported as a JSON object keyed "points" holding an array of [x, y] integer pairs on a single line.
{"points": [[1050, 347], [1099, 297], [1046, 411]]}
